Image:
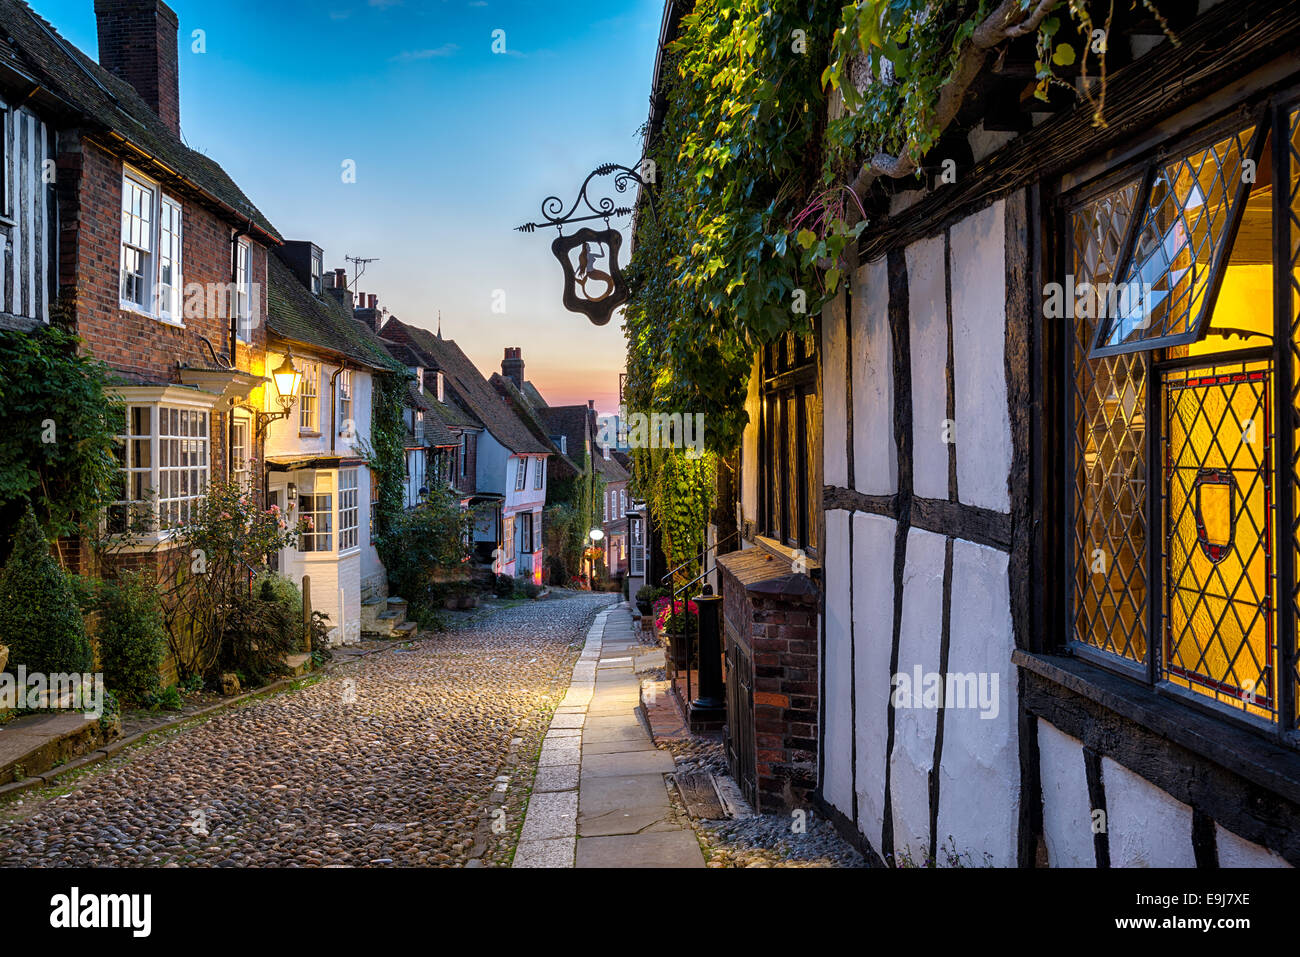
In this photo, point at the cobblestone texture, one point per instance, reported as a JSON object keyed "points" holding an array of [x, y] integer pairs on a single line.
{"points": [[388, 761]]}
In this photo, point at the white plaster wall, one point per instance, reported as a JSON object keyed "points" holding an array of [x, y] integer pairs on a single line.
{"points": [[927, 312], [979, 787], [875, 453], [1067, 817], [983, 429], [1147, 827], [920, 636], [873, 637], [347, 597], [838, 783], [490, 466], [834, 403], [1235, 851]]}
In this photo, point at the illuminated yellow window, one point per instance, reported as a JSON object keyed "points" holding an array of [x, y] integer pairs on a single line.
{"points": [[1174, 321]]}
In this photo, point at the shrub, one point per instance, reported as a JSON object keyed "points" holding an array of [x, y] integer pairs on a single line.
{"points": [[647, 595], [422, 545], [530, 589], [260, 634], [503, 586], [671, 617], [132, 639], [169, 699], [39, 618]]}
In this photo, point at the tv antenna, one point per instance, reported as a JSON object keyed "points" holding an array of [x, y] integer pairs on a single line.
{"points": [[359, 265]]}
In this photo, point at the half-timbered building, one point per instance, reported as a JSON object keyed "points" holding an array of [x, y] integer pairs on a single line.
{"points": [[1031, 494]]}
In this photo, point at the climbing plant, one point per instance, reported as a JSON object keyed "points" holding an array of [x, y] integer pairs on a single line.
{"points": [[386, 455], [57, 448], [762, 182]]}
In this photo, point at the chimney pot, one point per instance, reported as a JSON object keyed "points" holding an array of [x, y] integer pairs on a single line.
{"points": [[512, 366], [138, 42]]}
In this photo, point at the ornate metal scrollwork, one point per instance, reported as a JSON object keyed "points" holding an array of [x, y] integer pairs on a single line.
{"points": [[593, 279]]}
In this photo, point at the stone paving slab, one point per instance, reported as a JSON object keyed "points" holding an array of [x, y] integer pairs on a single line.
{"points": [[556, 852], [560, 777], [563, 751], [550, 815], [568, 720], [633, 762], [618, 746], [659, 849]]}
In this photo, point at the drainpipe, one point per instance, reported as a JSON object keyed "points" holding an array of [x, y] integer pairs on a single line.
{"points": [[334, 426]]}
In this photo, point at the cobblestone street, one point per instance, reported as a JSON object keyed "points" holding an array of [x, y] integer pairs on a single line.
{"points": [[388, 760]]}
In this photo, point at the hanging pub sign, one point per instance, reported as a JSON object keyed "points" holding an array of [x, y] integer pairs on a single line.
{"points": [[593, 279]]}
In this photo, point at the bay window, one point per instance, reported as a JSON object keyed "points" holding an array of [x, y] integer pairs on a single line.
{"points": [[163, 453], [349, 522]]}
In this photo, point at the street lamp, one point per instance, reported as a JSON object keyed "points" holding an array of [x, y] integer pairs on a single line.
{"points": [[595, 535], [287, 381]]}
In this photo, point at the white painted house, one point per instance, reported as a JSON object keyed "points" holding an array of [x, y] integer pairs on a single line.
{"points": [[315, 458]]}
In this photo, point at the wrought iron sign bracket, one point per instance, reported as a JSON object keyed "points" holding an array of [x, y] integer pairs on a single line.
{"points": [[589, 289]]}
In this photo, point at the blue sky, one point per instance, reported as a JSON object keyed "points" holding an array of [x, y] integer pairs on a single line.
{"points": [[454, 146]]}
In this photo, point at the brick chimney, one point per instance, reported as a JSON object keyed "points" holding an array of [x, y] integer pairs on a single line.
{"points": [[367, 311], [137, 41], [512, 366]]}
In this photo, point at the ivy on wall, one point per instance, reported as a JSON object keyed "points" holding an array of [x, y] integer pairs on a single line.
{"points": [[388, 451], [762, 187], [57, 450]]}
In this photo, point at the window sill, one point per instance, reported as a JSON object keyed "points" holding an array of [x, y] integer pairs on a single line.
{"points": [[1061, 680], [308, 434]]}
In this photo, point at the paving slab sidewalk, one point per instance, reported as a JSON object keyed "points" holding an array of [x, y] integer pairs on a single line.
{"points": [[600, 799]]}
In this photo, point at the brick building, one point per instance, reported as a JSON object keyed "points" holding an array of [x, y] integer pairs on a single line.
{"points": [[142, 246]]}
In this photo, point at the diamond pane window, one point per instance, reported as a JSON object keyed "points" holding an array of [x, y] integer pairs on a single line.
{"points": [[1109, 449], [1165, 290]]}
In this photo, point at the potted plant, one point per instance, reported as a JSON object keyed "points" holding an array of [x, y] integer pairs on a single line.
{"points": [[676, 622]]}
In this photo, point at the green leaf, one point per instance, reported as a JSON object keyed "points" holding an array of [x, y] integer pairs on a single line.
{"points": [[1064, 54]]}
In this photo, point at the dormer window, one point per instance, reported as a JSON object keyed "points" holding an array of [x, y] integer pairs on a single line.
{"points": [[317, 272]]}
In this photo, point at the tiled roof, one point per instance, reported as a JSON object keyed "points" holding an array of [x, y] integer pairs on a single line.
{"points": [[611, 468], [112, 106], [507, 390], [294, 313], [574, 423], [472, 391]]}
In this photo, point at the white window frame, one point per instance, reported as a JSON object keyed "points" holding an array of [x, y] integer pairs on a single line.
{"points": [[143, 233], [464, 452], [521, 474], [309, 399], [178, 444], [317, 272], [241, 434], [244, 290], [539, 476], [170, 296], [349, 521], [316, 501], [345, 400]]}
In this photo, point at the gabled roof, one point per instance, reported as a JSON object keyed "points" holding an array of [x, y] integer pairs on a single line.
{"points": [[611, 468], [295, 314], [436, 433], [533, 396], [507, 390], [574, 423], [111, 107], [471, 390]]}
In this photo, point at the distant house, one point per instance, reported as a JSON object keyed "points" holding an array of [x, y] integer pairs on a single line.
{"points": [[316, 458], [509, 461], [614, 505]]}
